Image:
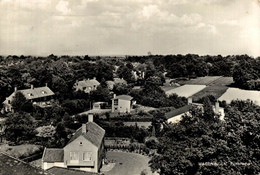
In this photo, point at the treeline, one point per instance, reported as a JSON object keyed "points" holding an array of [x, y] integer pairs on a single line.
{"points": [[244, 69]]}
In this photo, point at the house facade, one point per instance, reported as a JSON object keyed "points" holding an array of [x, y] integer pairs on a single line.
{"points": [[85, 150], [40, 96], [86, 85], [122, 103]]}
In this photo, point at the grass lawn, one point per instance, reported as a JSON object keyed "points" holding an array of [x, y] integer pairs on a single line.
{"points": [[20, 150], [128, 163], [215, 91]]}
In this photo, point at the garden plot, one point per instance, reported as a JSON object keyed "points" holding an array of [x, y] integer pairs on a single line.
{"points": [[202, 80], [216, 91], [239, 94], [186, 90]]}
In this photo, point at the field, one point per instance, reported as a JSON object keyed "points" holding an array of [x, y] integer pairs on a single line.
{"points": [[210, 81], [216, 86], [186, 90], [128, 163], [235, 93], [215, 91]]}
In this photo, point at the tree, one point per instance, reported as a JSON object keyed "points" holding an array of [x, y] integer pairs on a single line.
{"points": [[19, 127], [196, 145], [19, 101]]}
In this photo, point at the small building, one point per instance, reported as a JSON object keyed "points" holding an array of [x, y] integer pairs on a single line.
{"points": [[122, 103], [40, 96], [86, 85], [120, 81], [174, 116], [85, 150]]}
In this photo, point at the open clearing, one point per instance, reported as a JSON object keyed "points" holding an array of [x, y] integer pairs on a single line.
{"points": [[128, 163], [239, 94], [186, 90]]}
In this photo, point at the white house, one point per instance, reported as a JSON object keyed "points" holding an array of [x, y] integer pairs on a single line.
{"points": [[122, 103], [39, 96], [86, 85], [85, 150]]}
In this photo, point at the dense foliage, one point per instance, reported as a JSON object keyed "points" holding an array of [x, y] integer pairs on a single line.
{"points": [[202, 144]]}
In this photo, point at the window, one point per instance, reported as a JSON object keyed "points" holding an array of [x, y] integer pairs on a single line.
{"points": [[74, 156], [80, 143], [44, 92], [115, 101], [87, 156]]}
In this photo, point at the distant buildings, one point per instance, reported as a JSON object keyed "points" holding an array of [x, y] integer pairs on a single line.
{"points": [[85, 150], [122, 103], [39, 96], [174, 116], [86, 85]]}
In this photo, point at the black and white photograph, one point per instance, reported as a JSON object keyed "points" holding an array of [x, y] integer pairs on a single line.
{"points": [[129, 87]]}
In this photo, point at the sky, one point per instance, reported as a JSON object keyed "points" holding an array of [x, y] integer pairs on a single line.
{"points": [[129, 27]]}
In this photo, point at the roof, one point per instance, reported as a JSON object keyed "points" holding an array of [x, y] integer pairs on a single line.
{"points": [[177, 112], [109, 82], [94, 134], [123, 97], [14, 166], [119, 81], [87, 83], [53, 155], [66, 171], [33, 93]]}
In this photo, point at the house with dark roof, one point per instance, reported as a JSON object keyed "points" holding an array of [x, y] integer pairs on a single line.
{"points": [[174, 116], [86, 85], [122, 103], [85, 150], [39, 96], [13, 166]]}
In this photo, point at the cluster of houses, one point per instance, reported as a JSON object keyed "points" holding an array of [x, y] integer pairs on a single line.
{"points": [[85, 151]]}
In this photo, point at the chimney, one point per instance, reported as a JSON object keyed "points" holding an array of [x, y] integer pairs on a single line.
{"points": [[31, 86], [217, 106], [84, 128], [94, 78], [90, 117], [189, 101], [15, 89], [46, 84], [114, 96]]}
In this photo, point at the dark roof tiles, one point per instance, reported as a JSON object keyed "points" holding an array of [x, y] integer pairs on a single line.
{"points": [[13, 166], [124, 97], [53, 155], [94, 134]]}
